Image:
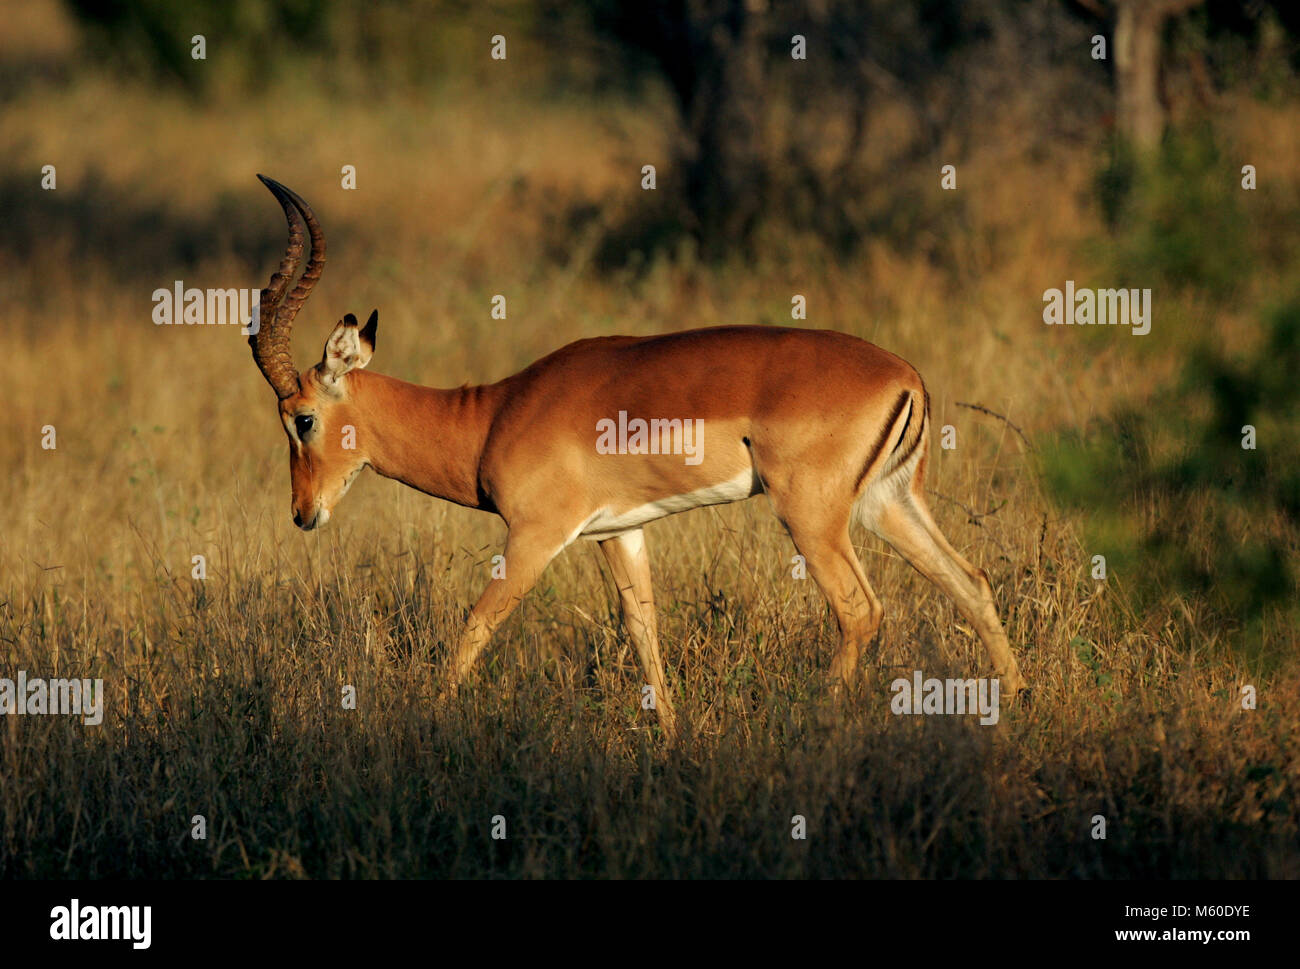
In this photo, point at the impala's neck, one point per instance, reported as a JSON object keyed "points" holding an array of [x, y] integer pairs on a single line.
{"points": [[429, 439]]}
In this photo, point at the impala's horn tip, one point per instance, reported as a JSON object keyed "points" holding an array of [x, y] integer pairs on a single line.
{"points": [[278, 190]]}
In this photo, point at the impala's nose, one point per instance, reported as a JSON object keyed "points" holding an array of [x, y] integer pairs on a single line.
{"points": [[319, 516]]}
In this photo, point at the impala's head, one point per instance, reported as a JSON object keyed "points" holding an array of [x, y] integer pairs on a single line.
{"points": [[317, 408]]}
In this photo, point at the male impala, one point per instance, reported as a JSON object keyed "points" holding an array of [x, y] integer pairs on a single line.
{"points": [[828, 426]]}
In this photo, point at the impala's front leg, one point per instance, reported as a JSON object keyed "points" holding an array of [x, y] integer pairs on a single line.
{"points": [[630, 564], [528, 552]]}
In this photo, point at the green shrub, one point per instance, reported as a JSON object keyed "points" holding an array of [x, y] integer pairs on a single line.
{"points": [[1179, 506], [1176, 219]]}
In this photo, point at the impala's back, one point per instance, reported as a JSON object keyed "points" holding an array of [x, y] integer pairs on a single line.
{"points": [[654, 425]]}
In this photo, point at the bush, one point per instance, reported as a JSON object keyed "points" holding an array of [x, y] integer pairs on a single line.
{"points": [[1179, 506], [1176, 220], [153, 37]]}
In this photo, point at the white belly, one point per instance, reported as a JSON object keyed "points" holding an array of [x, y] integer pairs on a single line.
{"points": [[606, 523]]}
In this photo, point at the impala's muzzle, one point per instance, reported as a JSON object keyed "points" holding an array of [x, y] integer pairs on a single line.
{"points": [[319, 516]]}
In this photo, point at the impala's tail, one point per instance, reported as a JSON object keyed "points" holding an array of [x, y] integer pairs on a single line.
{"points": [[893, 463], [903, 432], [915, 428]]}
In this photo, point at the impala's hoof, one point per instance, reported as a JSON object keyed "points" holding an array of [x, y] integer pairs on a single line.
{"points": [[1013, 686]]}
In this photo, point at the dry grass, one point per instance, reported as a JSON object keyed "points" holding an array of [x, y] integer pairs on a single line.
{"points": [[224, 694]]}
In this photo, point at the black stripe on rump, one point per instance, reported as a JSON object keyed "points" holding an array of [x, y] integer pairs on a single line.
{"points": [[904, 399]]}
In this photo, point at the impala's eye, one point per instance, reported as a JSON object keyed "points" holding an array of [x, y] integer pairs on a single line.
{"points": [[303, 423]]}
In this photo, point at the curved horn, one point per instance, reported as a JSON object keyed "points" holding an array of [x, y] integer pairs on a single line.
{"points": [[271, 345]]}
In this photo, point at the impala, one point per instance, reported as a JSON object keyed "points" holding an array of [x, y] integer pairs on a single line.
{"points": [[830, 428]]}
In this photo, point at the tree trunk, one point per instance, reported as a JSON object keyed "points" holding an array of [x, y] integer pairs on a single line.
{"points": [[1139, 26], [725, 173]]}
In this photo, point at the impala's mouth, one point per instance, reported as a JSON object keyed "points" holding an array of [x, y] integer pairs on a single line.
{"points": [[319, 517]]}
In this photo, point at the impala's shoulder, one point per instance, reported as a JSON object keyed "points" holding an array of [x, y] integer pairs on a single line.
{"points": [[579, 352], [596, 343]]}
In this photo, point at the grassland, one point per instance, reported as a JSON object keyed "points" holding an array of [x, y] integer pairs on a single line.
{"points": [[223, 694]]}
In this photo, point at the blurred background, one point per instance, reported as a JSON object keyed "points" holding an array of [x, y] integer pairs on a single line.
{"points": [[1119, 165]]}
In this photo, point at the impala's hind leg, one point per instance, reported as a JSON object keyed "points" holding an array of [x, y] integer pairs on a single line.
{"points": [[821, 534], [906, 524], [630, 564]]}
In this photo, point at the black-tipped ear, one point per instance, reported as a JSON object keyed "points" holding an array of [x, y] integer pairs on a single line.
{"points": [[371, 328], [349, 319]]}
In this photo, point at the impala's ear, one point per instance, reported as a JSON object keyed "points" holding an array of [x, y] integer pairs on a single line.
{"points": [[368, 334], [348, 348]]}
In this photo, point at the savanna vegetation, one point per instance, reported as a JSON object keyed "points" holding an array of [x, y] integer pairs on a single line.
{"points": [[523, 177]]}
